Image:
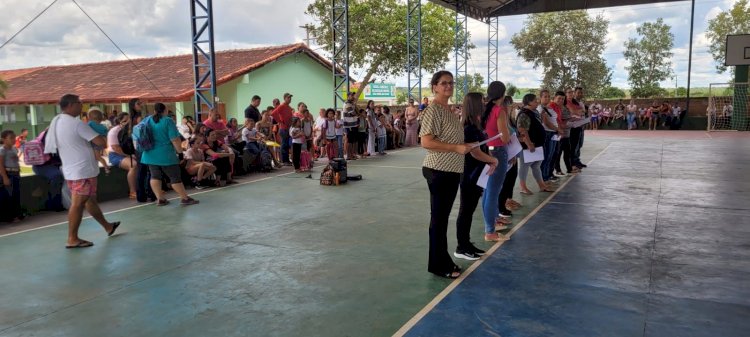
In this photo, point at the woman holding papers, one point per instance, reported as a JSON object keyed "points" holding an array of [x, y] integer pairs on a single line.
{"points": [[495, 122], [531, 133], [443, 138], [475, 163]]}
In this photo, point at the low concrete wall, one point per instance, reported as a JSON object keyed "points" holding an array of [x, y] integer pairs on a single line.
{"points": [[34, 189]]}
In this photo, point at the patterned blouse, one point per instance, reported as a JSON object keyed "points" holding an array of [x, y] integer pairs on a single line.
{"points": [[446, 127]]}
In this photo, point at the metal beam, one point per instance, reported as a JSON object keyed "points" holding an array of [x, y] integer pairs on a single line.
{"points": [[204, 62], [414, 49], [493, 43], [461, 51], [340, 29]]}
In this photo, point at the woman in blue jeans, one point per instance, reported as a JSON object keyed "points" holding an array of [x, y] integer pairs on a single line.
{"points": [[495, 122]]}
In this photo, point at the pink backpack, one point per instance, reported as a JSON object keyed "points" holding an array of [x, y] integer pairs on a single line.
{"points": [[33, 151], [305, 161]]}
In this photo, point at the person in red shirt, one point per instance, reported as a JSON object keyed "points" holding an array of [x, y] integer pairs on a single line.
{"points": [[217, 124], [21, 141], [283, 115]]}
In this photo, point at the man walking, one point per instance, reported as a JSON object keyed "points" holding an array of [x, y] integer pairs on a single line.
{"points": [[71, 138], [283, 115]]}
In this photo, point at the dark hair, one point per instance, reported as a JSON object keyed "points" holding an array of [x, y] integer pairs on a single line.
{"points": [[386, 110], [330, 110], [436, 78], [473, 109], [578, 88], [6, 133], [24, 129], [159, 109], [560, 93], [507, 101], [255, 98], [229, 123], [68, 100], [370, 102], [528, 98], [131, 105], [543, 91]]}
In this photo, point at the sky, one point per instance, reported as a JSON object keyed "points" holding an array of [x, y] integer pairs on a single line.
{"points": [[148, 28]]}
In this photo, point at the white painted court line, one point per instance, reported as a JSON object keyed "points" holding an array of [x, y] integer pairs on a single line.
{"points": [[151, 204], [443, 294], [392, 167]]}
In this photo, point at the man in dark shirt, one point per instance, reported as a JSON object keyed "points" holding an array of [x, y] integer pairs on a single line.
{"points": [[251, 112]]}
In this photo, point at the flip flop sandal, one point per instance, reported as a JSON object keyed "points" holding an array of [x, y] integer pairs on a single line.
{"points": [[456, 269], [114, 228], [80, 244]]}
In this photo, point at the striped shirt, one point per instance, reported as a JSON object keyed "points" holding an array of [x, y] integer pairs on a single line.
{"points": [[446, 127]]}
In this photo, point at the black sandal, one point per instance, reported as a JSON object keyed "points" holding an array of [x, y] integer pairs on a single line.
{"points": [[456, 269], [114, 228]]}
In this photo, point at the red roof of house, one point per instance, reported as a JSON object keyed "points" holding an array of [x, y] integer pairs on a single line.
{"points": [[119, 81]]}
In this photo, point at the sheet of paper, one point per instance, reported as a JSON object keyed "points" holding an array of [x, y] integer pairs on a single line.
{"points": [[556, 138], [488, 140], [530, 157], [514, 147], [579, 123], [484, 177]]}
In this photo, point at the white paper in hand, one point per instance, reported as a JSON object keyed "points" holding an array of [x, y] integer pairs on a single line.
{"points": [[556, 138], [530, 157], [514, 147], [484, 177]]}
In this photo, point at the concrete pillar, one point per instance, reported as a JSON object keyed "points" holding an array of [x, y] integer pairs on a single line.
{"points": [[124, 107], [180, 110], [740, 114], [34, 120]]}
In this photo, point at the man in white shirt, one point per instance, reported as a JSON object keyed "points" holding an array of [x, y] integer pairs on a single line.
{"points": [[72, 140]]}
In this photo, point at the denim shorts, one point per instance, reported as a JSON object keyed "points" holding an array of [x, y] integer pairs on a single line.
{"points": [[115, 159]]}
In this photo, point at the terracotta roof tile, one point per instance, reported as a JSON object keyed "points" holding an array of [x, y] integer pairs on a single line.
{"points": [[118, 81]]}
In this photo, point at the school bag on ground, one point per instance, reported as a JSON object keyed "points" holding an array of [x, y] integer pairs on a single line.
{"points": [[266, 161], [326, 177], [33, 151], [143, 136]]}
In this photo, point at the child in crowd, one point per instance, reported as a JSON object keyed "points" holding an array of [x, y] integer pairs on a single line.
{"points": [[10, 171], [250, 136], [95, 119], [380, 125], [196, 164], [298, 138], [339, 135], [329, 131], [21, 141], [595, 110]]}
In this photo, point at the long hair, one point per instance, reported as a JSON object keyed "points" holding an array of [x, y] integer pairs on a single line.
{"points": [[159, 109], [473, 109], [490, 103]]}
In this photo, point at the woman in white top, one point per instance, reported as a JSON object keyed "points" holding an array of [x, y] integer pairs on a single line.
{"points": [[117, 156]]}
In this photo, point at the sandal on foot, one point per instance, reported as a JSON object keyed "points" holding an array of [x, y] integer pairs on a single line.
{"points": [[114, 228], [527, 192], [162, 202], [80, 244], [454, 274]]}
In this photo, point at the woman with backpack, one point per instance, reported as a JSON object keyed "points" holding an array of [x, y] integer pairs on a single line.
{"points": [[532, 136], [161, 156], [121, 150]]}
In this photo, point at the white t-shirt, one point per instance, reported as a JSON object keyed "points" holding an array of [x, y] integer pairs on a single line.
{"points": [[632, 108], [320, 121], [194, 155], [184, 131], [249, 134], [381, 129], [73, 144], [112, 137], [728, 110], [340, 131], [552, 117], [299, 140], [330, 127]]}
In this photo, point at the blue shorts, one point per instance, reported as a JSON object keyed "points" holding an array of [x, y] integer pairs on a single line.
{"points": [[115, 159]]}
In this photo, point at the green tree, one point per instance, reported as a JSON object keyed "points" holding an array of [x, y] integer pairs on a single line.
{"points": [[612, 92], [568, 47], [733, 21], [681, 92], [650, 58], [401, 96], [377, 37], [511, 90], [476, 82]]}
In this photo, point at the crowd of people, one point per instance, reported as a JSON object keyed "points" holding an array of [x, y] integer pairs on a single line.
{"points": [[487, 139], [660, 114]]}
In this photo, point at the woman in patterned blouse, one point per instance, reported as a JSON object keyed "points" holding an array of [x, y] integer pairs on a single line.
{"points": [[442, 135]]}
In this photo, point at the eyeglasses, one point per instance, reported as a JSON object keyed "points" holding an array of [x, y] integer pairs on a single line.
{"points": [[447, 84]]}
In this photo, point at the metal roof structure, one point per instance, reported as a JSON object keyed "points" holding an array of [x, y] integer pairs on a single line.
{"points": [[483, 9]]}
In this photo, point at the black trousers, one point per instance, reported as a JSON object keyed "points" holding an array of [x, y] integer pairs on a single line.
{"points": [[576, 142], [143, 190], [470, 195], [223, 167], [565, 152], [507, 191], [443, 189], [361, 142]]}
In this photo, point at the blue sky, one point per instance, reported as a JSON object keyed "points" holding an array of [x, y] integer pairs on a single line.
{"points": [[147, 28]]}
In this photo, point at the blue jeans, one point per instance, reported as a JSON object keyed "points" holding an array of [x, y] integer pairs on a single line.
{"points": [[284, 133], [631, 120], [550, 148], [340, 140], [381, 144], [55, 179], [490, 207]]}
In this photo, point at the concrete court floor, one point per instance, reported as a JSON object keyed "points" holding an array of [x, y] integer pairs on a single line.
{"points": [[266, 258], [651, 240]]}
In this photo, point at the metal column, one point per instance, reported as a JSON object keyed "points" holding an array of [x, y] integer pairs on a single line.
{"points": [[340, 28], [461, 52], [204, 65], [493, 42], [414, 49]]}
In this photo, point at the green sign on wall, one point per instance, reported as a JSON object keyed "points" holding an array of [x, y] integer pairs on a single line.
{"points": [[380, 90]]}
